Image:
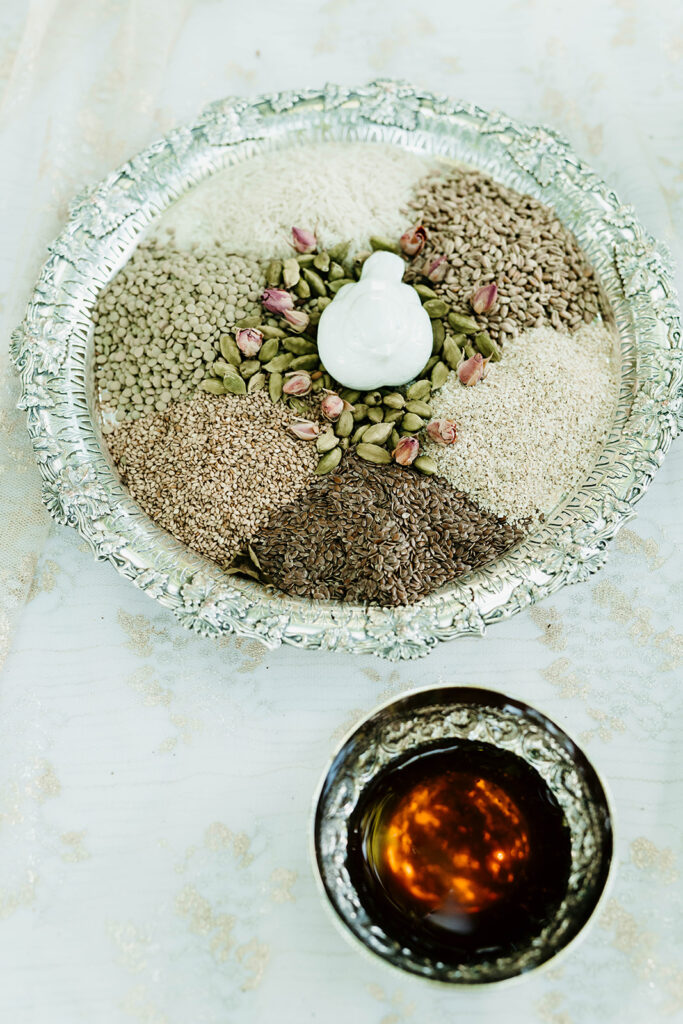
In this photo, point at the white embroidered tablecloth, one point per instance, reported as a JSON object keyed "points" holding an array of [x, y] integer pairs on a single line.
{"points": [[155, 787]]}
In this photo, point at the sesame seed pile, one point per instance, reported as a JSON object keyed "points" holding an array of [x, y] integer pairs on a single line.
{"points": [[491, 233], [377, 534], [212, 470], [158, 325], [533, 428]]}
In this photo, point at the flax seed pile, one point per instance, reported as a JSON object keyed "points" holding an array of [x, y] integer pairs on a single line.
{"points": [[230, 433]]}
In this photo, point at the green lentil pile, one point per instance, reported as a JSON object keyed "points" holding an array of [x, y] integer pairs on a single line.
{"points": [[158, 325]]}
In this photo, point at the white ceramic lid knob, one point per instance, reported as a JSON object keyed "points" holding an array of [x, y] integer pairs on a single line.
{"points": [[375, 332]]}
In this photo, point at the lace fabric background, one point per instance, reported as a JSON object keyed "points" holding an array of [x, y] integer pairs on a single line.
{"points": [[152, 850]]}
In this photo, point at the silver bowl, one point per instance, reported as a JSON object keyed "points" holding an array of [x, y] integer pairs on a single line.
{"points": [[425, 718], [52, 348]]}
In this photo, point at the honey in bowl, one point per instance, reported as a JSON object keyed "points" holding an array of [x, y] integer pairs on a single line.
{"points": [[460, 851]]}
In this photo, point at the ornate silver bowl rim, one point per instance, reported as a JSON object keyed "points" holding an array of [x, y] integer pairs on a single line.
{"points": [[52, 349], [430, 716]]}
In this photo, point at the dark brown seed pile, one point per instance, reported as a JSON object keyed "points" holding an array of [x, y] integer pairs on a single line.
{"points": [[377, 534], [491, 233]]}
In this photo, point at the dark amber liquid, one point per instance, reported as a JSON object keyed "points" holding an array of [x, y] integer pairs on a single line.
{"points": [[461, 852]]}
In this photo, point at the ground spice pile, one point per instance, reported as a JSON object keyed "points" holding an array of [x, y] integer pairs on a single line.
{"points": [[377, 534], [158, 324], [490, 233], [347, 191], [533, 427], [212, 470]]}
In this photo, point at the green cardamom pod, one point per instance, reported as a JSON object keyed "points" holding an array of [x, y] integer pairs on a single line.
{"points": [[439, 375], [359, 412], [349, 395], [334, 286], [451, 353], [427, 368], [344, 425], [234, 384], [358, 434], [300, 346], [268, 331], [248, 321], [249, 367], [394, 400], [394, 439], [378, 433], [321, 262], [309, 362], [420, 389], [303, 289], [305, 259], [438, 335], [380, 244], [375, 414], [412, 423], [269, 349], [344, 443], [425, 464], [463, 324], [372, 397], [275, 387], [393, 415], [435, 308], [335, 272], [323, 302], [469, 351], [419, 408], [425, 292], [315, 281], [340, 251], [273, 273], [279, 363], [326, 441], [329, 461], [220, 368], [486, 345], [256, 383], [229, 350], [373, 453], [291, 272], [213, 386]]}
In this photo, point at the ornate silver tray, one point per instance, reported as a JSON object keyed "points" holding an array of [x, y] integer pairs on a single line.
{"points": [[52, 349]]}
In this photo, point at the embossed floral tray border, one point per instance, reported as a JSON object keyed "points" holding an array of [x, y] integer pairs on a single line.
{"points": [[51, 348]]}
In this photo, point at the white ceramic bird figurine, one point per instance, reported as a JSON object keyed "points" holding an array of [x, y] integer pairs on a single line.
{"points": [[375, 332]]}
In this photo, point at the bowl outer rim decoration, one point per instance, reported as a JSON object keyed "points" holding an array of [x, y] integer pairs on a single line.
{"points": [[52, 350], [361, 939]]}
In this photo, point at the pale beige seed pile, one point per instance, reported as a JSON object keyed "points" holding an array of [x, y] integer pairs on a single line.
{"points": [[533, 428], [158, 324], [211, 471], [492, 233]]}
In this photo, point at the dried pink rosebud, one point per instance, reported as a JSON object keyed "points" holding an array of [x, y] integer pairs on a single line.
{"points": [[303, 241], [297, 383], [406, 451], [297, 319], [413, 240], [305, 430], [277, 300], [437, 269], [249, 341], [332, 406], [484, 299], [442, 431], [472, 370]]}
